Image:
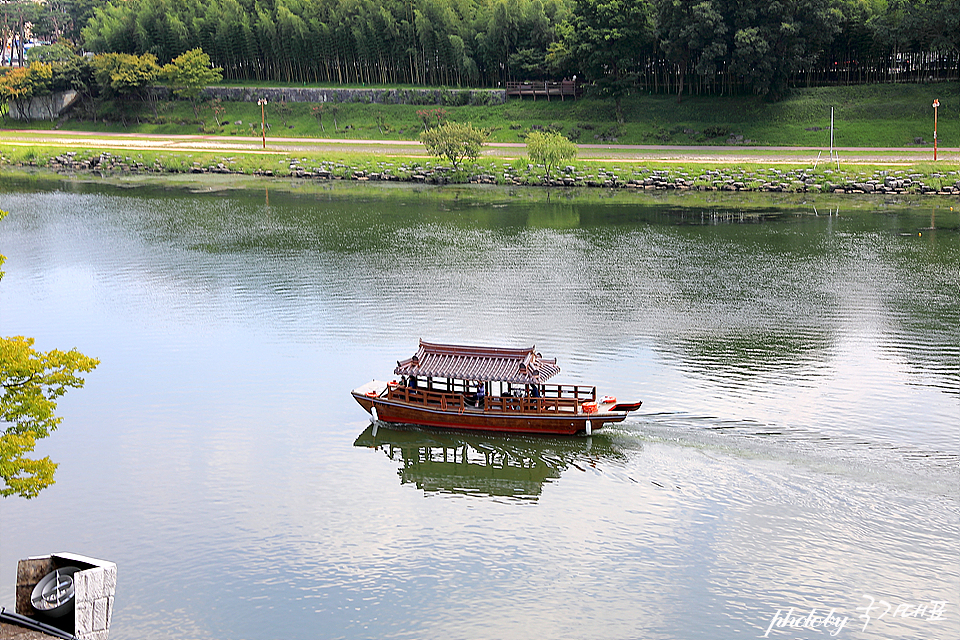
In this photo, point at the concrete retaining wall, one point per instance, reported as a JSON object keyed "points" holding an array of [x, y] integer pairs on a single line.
{"points": [[52, 106], [43, 108], [443, 97]]}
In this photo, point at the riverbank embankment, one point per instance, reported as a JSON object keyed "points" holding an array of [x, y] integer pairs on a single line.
{"points": [[637, 167], [860, 180]]}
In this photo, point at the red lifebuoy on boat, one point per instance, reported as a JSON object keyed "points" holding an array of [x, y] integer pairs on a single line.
{"points": [[608, 400], [372, 393]]}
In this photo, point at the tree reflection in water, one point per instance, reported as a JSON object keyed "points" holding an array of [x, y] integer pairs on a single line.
{"points": [[485, 464]]}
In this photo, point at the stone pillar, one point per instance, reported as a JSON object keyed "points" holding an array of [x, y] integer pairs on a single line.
{"points": [[94, 588]]}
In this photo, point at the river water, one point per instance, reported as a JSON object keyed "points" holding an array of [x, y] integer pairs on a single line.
{"points": [[797, 451]]}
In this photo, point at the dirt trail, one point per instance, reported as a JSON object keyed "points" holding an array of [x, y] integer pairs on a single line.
{"points": [[950, 157]]}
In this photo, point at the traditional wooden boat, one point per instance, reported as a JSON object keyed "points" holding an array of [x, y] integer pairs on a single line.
{"points": [[487, 389]]}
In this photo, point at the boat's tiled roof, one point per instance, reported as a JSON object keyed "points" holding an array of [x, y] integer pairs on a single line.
{"points": [[522, 366]]}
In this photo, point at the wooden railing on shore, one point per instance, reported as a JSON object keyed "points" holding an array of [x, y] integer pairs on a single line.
{"points": [[564, 88]]}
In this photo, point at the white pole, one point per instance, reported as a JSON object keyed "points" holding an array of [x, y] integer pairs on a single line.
{"points": [[831, 140], [831, 132]]}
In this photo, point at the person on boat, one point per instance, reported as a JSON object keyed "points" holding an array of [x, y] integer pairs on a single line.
{"points": [[534, 391], [481, 392]]}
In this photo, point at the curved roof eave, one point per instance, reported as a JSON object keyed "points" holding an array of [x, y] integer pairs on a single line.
{"points": [[487, 364]]}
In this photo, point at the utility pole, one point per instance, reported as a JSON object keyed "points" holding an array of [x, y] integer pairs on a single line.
{"points": [[263, 120], [936, 105]]}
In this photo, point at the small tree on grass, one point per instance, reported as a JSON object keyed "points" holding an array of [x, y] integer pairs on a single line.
{"points": [[549, 149], [189, 74], [334, 110], [454, 141], [431, 117], [218, 110], [317, 111], [282, 108]]}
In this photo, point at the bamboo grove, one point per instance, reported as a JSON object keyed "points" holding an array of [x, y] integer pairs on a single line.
{"points": [[679, 46]]}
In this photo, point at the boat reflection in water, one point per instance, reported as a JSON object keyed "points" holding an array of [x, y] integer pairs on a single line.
{"points": [[484, 464]]}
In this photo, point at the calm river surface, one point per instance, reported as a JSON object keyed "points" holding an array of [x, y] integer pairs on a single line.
{"points": [[798, 446]]}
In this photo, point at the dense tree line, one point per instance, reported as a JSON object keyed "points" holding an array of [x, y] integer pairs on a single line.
{"points": [[125, 80], [681, 46], [437, 42]]}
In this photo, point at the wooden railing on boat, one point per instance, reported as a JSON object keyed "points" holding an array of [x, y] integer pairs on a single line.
{"points": [[507, 404], [553, 399], [435, 399]]}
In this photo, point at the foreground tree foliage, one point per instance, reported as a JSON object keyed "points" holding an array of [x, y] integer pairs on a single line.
{"points": [[31, 382], [454, 141]]}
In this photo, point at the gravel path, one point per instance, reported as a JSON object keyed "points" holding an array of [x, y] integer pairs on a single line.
{"points": [[587, 152]]}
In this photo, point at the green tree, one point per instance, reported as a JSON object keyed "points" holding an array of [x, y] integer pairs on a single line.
{"points": [[611, 40], [549, 149], [189, 74], [125, 76], [73, 15], [772, 41], [21, 84], [454, 141], [513, 37], [50, 53], [31, 382], [691, 32]]}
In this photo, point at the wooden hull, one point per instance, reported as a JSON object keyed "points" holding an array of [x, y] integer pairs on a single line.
{"points": [[477, 420]]}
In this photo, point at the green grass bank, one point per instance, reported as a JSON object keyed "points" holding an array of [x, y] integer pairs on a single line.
{"points": [[864, 116], [887, 181], [878, 116]]}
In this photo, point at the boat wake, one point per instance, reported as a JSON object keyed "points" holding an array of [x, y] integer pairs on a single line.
{"points": [[860, 458]]}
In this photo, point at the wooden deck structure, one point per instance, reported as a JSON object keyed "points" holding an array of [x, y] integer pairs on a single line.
{"points": [[563, 89]]}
